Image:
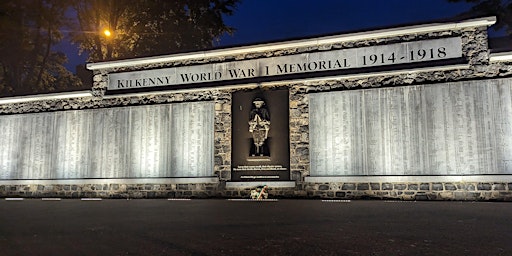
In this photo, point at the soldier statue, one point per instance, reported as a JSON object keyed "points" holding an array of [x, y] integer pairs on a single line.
{"points": [[259, 125]]}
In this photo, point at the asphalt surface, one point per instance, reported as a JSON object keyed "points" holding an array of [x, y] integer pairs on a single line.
{"points": [[286, 227]]}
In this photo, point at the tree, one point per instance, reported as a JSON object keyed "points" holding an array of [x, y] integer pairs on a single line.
{"points": [[502, 9], [149, 27], [28, 30]]}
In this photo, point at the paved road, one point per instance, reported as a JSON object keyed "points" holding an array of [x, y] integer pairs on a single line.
{"points": [[286, 227]]}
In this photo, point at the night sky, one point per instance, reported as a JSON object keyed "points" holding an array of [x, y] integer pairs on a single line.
{"points": [[258, 21]]}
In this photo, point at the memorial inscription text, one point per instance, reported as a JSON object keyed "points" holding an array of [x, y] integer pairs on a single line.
{"points": [[364, 57]]}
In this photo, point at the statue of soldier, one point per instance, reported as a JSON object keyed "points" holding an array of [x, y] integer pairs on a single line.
{"points": [[259, 125]]}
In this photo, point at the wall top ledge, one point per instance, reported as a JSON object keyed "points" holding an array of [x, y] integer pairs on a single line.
{"points": [[312, 42], [49, 96], [501, 56]]}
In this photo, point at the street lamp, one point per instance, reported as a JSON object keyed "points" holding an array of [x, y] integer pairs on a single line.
{"points": [[107, 33]]}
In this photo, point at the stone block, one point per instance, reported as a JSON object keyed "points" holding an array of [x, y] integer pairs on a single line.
{"points": [[499, 186], [382, 194], [387, 186], [424, 186], [137, 194], [210, 187], [340, 194], [473, 196], [375, 186], [437, 186], [182, 186], [470, 187], [484, 186], [399, 186], [446, 195], [412, 186], [363, 186], [225, 175], [348, 186], [505, 195], [323, 187], [432, 196], [296, 176], [218, 160], [459, 195], [450, 186]]}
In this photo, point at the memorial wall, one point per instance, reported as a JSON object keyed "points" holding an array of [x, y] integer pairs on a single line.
{"points": [[169, 140], [460, 128], [421, 112]]}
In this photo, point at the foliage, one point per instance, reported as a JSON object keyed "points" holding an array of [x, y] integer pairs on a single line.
{"points": [[502, 9], [149, 27], [28, 30]]}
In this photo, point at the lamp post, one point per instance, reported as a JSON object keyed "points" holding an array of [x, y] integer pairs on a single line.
{"points": [[108, 35]]}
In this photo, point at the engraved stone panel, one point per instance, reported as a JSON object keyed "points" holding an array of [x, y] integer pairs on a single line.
{"points": [[457, 128], [363, 57], [127, 142], [192, 137]]}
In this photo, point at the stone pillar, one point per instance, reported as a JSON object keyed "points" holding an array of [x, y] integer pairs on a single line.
{"points": [[99, 83], [299, 133], [222, 136], [475, 48]]}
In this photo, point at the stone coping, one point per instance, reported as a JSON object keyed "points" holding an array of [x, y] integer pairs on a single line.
{"points": [[447, 178], [252, 184], [48, 96], [500, 56], [382, 33], [191, 180]]}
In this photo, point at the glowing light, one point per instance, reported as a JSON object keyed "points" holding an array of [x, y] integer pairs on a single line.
{"points": [[107, 33]]}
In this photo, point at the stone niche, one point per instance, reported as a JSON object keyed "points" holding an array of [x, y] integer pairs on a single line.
{"points": [[274, 161]]}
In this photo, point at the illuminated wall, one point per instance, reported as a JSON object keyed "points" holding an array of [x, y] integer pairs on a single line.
{"points": [[172, 140], [460, 128]]}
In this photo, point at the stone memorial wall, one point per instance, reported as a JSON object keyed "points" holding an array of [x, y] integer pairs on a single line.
{"points": [[169, 140], [461, 128], [416, 113]]}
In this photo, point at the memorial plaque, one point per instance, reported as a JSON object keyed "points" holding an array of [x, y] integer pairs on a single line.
{"points": [[192, 137], [127, 142], [440, 129], [10, 140]]}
